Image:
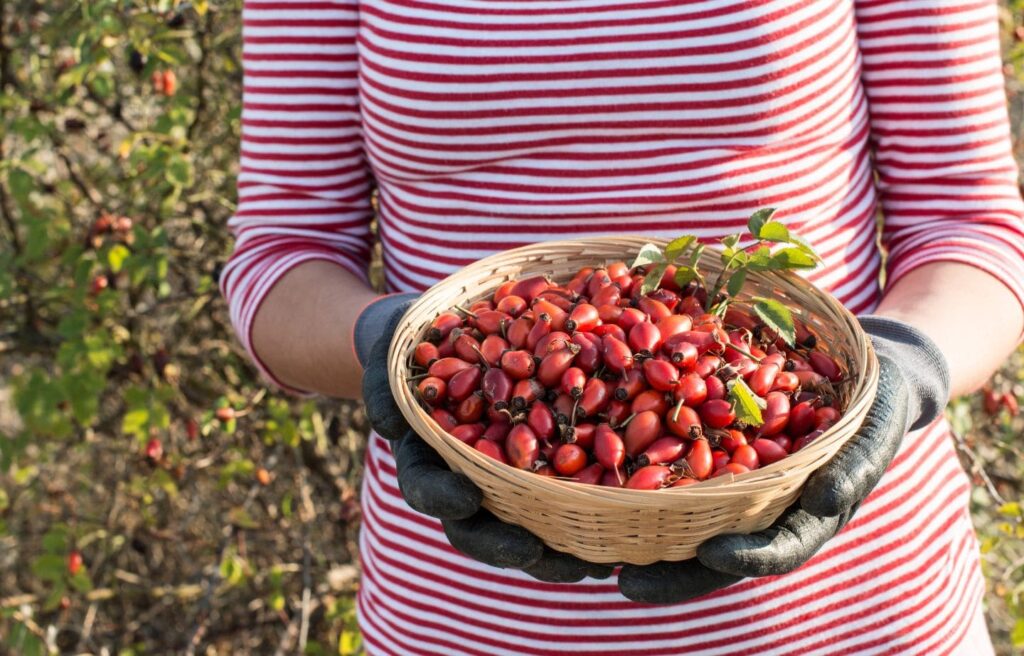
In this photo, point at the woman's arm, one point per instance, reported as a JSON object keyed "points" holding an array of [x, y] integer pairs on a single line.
{"points": [[297, 275], [954, 220], [325, 300], [972, 317]]}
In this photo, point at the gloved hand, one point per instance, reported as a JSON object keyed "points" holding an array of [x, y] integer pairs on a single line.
{"points": [[426, 482], [912, 391]]}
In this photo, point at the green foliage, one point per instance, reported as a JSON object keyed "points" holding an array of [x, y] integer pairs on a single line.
{"points": [[114, 197]]}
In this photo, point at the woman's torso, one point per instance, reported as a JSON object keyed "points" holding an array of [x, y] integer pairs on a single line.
{"points": [[494, 124]]}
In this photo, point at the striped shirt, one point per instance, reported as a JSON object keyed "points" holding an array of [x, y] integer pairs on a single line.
{"points": [[489, 124]]}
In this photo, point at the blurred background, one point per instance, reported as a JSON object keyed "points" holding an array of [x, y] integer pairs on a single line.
{"points": [[155, 497]]}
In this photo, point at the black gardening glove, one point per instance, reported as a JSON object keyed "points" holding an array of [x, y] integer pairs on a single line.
{"points": [[426, 482], [912, 391]]}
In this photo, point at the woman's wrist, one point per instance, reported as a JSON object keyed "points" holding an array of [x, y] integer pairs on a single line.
{"points": [[370, 322]]}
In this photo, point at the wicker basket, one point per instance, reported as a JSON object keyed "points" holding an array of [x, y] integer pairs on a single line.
{"points": [[612, 525]]}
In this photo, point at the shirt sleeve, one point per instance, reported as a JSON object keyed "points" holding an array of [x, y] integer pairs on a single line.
{"points": [[948, 181], [303, 186]]}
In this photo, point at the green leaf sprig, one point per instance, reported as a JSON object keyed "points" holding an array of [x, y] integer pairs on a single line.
{"points": [[775, 248]]}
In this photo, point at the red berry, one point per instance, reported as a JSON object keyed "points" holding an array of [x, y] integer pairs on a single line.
{"points": [[776, 414], [154, 449], [734, 468], [541, 421], [573, 381], [617, 356], [596, 396], [569, 459], [684, 421], [717, 413], [520, 364], [497, 387], [609, 449], [75, 563], [1010, 403], [641, 432], [591, 474], [662, 451], [529, 288], [491, 450], [445, 368], [992, 402], [691, 390], [644, 338], [521, 447], [746, 455], [660, 375], [225, 414], [699, 459], [464, 383], [826, 366], [768, 452], [651, 477], [425, 354]]}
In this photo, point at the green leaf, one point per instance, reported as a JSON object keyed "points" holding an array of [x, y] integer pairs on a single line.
{"points": [[745, 403], [135, 422], [736, 282], [179, 172], [730, 241], [49, 567], [793, 258], [1017, 635], [116, 257], [56, 540], [684, 275], [652, 279], [649, 254], [676, 247], [803, 245], [777, 317], [758, 219], [81, 581], [774, 231]]}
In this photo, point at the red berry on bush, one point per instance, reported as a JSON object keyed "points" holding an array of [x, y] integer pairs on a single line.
{"points": [[75, 563]]}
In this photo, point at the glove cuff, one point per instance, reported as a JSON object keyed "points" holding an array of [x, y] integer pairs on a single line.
{"points": [[919, 360], [369, 325]]}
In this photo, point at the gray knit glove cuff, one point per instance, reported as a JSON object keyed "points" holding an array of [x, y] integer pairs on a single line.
{"points": [[920, 361], [372, 321]]}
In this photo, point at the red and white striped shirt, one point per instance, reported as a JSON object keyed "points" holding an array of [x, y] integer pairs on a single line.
{"points": [[488, 124]]}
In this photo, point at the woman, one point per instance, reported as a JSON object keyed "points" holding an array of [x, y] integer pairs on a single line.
{"points": [[490, 124]]}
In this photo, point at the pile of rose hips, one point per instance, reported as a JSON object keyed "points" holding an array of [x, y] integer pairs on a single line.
{"points": [[594, 381]]}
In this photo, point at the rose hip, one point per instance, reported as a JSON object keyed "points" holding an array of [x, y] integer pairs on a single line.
{"points": [[521, 447], [641, 431], [541, 421], [692, 390], [446, 368], [768, 452], [444, 419], [518, 364], [591, 474], [468, 433], [699, 460], [442, 325], [776, 414], [609, 449], [529, 288], [573, 381], [632, 383], [525, 392], [662, 451], [553, 366], [569, 459], [660, 375], [425, 354], [595, 398], [617, 356], [432, 390], [471, 409], [747, 456], [651, 477], [734, 468], [717, 413], [684, 422], [491, 450], [649, 400], [464, 383], [644, 338]]}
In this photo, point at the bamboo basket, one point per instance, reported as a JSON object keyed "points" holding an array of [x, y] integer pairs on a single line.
{"points": [[612, 525]]}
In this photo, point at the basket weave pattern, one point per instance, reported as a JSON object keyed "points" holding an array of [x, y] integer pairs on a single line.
{"points": [[612, 525]]}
